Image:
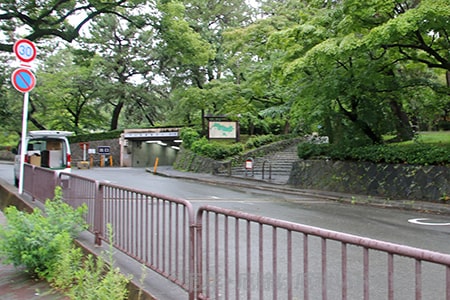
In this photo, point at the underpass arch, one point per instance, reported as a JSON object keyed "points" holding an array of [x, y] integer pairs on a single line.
{"points": [[142, 147]]}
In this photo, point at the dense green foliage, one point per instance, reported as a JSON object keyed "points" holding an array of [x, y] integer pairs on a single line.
{"points": [[87, 277], [416, 153], [43, 243], [350, 70], [193, 141], [109, 135], [35, 240]]}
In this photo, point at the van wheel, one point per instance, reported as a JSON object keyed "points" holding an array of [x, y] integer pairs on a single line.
{"points": [[16, 182]]}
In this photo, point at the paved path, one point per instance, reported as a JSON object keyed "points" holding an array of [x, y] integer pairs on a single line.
{"points": [[16, 284]]}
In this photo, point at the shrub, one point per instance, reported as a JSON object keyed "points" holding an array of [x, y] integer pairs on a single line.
{"points": [[189, 136], [34, 240], [258, 141], [215, 150], [309, 150], [43, 243], [416, 154]]}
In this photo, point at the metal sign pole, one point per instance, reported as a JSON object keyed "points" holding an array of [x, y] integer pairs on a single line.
{"points": [[23, 148]]}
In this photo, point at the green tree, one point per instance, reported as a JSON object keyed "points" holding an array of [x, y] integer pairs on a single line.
{"points": [[348, 86], [67, 96], [125, 69], [53, 18]]}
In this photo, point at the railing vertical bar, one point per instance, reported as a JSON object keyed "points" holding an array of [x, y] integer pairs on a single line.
{"points": [[128, 223], [390, 276], [139, 225], [177, 239], [192, 286], [116, 197], [99, 213], [236, 255], [152, 230], [305, 267], [344, 271], [120, 197], [170, 249], [184, 262], [158, 232], [261, 261], [164, 234], [324, 268], [249, 260], [366, 272], [142, 227], [418, 279], [207, 251], [132, 221], [289, 266], [447, 280], [198, 271], [146, 233], [226, 259], [274, 263], [216, 255]]}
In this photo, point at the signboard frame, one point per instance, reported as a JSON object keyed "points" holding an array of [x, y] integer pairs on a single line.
{"points": [[223, 130]]}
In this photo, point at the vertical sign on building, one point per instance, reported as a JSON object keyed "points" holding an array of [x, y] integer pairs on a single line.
{"points": [[24, 81]]}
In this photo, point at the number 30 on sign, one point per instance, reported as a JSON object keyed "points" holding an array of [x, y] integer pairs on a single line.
{"points": [[25, 50]]}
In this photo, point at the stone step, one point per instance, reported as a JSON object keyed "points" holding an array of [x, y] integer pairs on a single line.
{"points": [[277, 166]]}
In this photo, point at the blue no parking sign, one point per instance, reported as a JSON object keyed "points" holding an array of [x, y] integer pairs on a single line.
{"points": [[23, 80]]}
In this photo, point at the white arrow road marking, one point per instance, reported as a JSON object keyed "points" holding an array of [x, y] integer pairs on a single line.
{"points": [[420, 221]]}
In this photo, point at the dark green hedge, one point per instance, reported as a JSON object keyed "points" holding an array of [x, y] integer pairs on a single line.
{"points": [[415, 154], [96, 136], [222, 150]]}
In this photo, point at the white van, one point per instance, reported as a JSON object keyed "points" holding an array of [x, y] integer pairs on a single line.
{"points": [[47, 149]]}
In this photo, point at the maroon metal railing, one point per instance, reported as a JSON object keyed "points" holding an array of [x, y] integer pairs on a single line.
{"points": [[39, 182], [156, 230], [78, 190], [226, 254], [244, 256]]}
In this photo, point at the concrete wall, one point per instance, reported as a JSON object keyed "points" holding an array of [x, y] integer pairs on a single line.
{"points": [[145, 154], [395, 181], [77, 151]]}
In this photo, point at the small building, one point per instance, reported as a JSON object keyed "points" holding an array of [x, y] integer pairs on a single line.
{"points": [[143, 147]]}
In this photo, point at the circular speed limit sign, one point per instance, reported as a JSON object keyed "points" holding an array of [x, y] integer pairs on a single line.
{"points": [[25, 50]]}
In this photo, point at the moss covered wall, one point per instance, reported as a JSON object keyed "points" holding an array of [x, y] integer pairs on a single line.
{"points": [[431, 183]]}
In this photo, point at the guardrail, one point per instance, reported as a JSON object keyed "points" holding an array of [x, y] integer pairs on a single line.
{"points": [[224, 254], [244, 256], [156, 230], [39, 182]]}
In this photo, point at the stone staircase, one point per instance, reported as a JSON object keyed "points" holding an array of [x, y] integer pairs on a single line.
{"points": [[275, 167]]}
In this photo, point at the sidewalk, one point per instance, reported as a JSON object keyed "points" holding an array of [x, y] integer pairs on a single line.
{"points": [[16, 284]]}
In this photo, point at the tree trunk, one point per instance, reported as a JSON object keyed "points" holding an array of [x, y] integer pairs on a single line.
{"points": [[403, 127], [115, 115]]}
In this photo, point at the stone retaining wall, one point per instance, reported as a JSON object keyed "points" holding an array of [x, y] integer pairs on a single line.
{"points": [[395, 181]]}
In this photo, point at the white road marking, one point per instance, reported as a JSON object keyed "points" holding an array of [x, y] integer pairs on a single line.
{"points": [[421, 221]]}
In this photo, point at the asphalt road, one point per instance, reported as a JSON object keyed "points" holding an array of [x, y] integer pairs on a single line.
{"points": [[392, 225]]}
